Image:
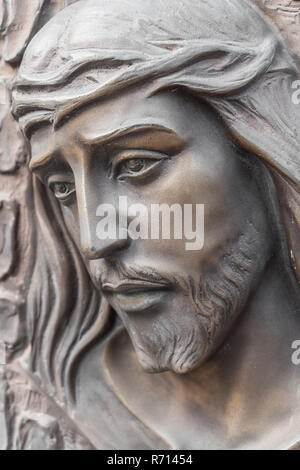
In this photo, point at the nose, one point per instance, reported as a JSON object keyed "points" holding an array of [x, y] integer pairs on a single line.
{"points": [[92, 251], [94, 246]]}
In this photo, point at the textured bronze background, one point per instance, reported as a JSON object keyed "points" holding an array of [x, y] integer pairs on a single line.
{"points": [[38, 409]]}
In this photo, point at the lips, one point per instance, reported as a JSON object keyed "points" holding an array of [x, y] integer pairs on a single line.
{"points": [[132, 285], [133, 296]]}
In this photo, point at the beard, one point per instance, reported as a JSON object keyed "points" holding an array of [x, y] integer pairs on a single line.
{"points": [[201, 313]]}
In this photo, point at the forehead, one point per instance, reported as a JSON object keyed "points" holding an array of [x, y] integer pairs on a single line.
{"points": [[170, 109], [100, 118]]}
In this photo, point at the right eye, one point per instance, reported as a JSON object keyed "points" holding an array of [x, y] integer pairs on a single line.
{"points": [[62, 190]]}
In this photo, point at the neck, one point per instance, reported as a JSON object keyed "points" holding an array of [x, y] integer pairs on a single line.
{"points": [[251, 375]]}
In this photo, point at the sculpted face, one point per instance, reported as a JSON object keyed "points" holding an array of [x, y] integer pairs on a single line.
{"points": [[178, 306]]}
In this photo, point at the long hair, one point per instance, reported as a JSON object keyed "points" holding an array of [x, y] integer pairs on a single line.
{"points": [[64, 310], [224, 52]]}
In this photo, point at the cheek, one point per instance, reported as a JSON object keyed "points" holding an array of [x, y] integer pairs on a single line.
{"points": [[70, 215], [187, 182]]}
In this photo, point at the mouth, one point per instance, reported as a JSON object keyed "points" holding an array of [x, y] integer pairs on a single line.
{"points": [[135, 296]]}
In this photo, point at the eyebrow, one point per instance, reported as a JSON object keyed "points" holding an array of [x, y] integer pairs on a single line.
{"points": [[178, 142], [129, 131], [40, 161]]}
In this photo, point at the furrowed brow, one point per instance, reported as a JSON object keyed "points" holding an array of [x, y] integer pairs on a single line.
{"points": [[136, 133], [40, 161], [132, 131]]}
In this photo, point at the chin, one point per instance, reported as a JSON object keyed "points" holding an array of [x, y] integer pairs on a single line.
{"points": [[180, 360]]}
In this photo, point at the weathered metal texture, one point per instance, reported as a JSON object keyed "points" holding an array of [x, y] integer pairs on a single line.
{"points": [[48, 408], [20, 402]]}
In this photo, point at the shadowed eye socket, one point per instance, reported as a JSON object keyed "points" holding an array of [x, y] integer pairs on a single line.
{"points": [[135, 164], [62, 190]]}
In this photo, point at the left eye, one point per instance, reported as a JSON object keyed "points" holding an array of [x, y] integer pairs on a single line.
{"points": [[134, 165], [62, 190], [126, 167]]}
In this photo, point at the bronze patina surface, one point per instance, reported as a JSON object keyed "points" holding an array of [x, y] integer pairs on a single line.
{"points": [[138, 341]]}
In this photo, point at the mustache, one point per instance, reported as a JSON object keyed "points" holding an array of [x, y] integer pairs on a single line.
{"points": [[119, 271]]}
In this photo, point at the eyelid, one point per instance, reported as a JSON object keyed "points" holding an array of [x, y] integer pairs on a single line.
{"points": [[64, 199], [135, 154], [66, 178], [59, 178]]}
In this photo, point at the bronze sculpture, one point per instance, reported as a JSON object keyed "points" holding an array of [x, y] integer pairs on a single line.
{"points": [[191, 106]]}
